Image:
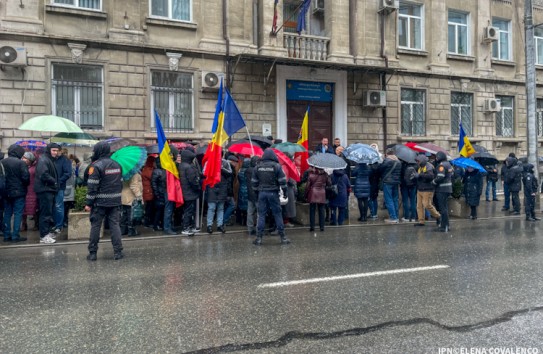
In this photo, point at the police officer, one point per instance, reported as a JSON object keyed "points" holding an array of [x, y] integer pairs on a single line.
{"points": [[104, 199], [268, 177], [443, 184]]}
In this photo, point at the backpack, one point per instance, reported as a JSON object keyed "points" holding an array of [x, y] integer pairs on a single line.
{"points": [[2, 181]]}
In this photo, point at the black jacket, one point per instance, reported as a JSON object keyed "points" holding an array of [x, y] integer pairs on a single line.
{"points": [[473, 187], [513, 174], [426, 175], [46, 174], [219, 192], [391, 171], [105, 182], [158, 184], [64, 170], [251, 193], [17, 176], [268, 174], [189, 176], [529, 180]]}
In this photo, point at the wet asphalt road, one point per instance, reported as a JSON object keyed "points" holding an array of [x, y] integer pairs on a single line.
{"points": [[218, 293]]}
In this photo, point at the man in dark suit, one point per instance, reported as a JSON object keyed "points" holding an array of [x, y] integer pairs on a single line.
{"points": [[324, 147]]}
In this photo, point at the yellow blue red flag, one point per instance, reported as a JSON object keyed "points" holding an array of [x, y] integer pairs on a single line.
{"points": [[173, 185]]}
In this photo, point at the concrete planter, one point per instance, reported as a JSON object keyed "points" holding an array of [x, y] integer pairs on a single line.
{"points": [[458, 208], [79, 226]]}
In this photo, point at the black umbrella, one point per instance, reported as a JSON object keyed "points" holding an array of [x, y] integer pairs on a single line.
{"points": [[485, 158], [152, 149], [201, 150], [404, 153], [479, 148], [260, 140]]}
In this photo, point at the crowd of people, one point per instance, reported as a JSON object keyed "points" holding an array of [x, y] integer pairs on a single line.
{"points": [[253, 192]]}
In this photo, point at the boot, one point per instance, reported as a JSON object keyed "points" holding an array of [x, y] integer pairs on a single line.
{"points": [[210, 230], [258, 240], [284, 239], [221, 229], [92, 256], [132, 232]]}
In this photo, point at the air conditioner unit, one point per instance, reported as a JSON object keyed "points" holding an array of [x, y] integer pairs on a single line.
{"points": [[13, 56], [211, 80], [389, 5], [491, 34], [492, 105], [375, 99], [318, 6]]}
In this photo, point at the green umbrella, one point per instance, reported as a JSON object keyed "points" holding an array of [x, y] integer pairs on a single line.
{"points": [[131, 159], [81, 139], [50, 124], [291, 148]]}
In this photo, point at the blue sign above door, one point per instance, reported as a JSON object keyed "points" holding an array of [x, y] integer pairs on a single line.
{"points": [[309, 91]]}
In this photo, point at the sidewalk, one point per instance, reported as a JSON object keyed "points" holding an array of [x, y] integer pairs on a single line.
{"points": [[485, 210]]}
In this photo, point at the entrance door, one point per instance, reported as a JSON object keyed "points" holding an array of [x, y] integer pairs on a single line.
{"points": [[320, 121]]}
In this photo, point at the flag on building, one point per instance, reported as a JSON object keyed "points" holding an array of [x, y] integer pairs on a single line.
{"points": [[303, 139], [464, 146], [226, 122], [274, 23], [173, 185], [301, 24]]}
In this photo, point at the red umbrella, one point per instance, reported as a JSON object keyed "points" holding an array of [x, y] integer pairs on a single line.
{"points": [[246, 149], [288, 165], [427, 147]]}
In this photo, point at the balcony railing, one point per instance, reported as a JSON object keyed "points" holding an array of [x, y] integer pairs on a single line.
{"points": [[306, 47]]}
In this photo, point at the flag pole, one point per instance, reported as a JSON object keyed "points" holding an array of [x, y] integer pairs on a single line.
{"points": [[250, 141]]}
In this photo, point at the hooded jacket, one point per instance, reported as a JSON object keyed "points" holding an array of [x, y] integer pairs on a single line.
{"points": [[473, 187], [17, 176], [158, 184], [362, 186], [426, 174], [443, 181], [105, 182], [46, 173], [513, 174], [268, 174], [340, 178], [189, 176], [529, 180]]}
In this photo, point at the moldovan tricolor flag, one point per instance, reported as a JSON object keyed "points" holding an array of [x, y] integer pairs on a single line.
{"points": [[226, 122], [173, 185], [303, 139], [464, 146]]}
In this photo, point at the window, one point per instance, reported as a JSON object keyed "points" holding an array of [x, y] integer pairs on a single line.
{"points": [[85, 4], [461, 111], [501, 49], [172, 98], [172, 9], [314, 17], [410, 26], [539, 117], [538, 36], [413, 117], [458, 33], [77, 94], [505, 118]]}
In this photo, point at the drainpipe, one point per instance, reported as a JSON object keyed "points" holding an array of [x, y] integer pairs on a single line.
{"points": [[382, 77], [353, 28], [226, 38]]}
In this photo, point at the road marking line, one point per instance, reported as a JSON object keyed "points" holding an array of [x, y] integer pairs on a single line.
{"points": [[351, 276]]}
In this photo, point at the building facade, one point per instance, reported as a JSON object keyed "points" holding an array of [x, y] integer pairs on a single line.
{"points": [[369, 70]]}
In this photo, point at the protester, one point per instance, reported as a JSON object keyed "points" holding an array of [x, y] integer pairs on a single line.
{"points": [[443, 184], [64, 172], [408, 189], [17, 180], [148, 197], [242, 190], [158, 185], [340, 202], [491, 179], [132, 191], [513, 178], [391, 170], [425, 189], [252, 197], [216, 197], [190, 184], [104, 200], [473, 188], [375, 176], [315, 192], [268, 177], [362, 189], [233, 187], [31, 200], [46, 187], [69, 198], [530, 190]]}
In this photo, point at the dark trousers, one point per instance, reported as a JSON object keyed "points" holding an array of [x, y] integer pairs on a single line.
{"points": [[13, 207], [443, 208], [363, 208], [269, 200], [312, 207], [337, 215], [112, 215], [158, 215], [529, 206], [47, 203], [126, 219], [506, 196], [189, 211], [515, 199], [149, 217], [473, 211]]}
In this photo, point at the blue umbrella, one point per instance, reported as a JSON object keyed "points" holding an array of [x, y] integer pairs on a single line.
{"points": [[465, 162], [361, 153]]}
